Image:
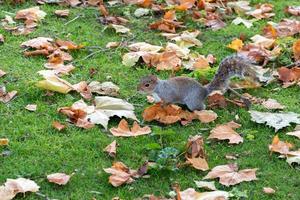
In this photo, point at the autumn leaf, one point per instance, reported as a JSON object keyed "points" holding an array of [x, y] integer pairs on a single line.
{"points": [[226, 132], [229, 174], [296, 132], [289, 76], [123, 130], [14, 186], [206, 116], [275, 120], [5, 96], [245, 22], [195, 153], [268, 190], [206, 184], [272, 104], [31, 107], [168, 114], [111, 149], [279, 146], [2, 73], [59, 178], [236, 45], [1, 39], [191, 194], [262, 11], [57, 125], [54, 83], [296, 50], [293, 10], [105, 88], [62, 13], [4, 141]]}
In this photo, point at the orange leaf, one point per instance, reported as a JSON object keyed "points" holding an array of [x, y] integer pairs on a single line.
{"points": [[123, 130], [296, 50], [226, 132], [236, 45]]}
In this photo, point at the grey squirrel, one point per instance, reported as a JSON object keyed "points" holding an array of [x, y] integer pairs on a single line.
{"points": [[187, 91]]}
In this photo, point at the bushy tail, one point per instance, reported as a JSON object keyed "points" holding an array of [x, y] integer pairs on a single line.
{"points": [[236, 65]]}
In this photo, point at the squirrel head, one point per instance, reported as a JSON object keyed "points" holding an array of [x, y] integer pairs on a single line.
{"points": [[147, 84]]}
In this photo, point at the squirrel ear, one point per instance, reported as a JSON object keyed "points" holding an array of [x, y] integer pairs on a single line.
{"points": [[153, 77]]}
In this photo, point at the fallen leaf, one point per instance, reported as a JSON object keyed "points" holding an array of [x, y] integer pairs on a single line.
{"points": [[38, 43], [206, 185], [20, 185], [5, 96], [54, 83], [272, 104], [262, 11], [6, 193], [236, 45], [296, 50], [240, 7], [105, 88], [4, 141], [206, 116], [31, 107], [293, 157], [84, 90], [111, 149], [263, 41], [245, 22], [279, 146], [105, 107], [229, 174], [59, 178], [120, 174], [191, 194], [275, 120], [286, 27], [2, 73], [295, 133], [57, 125], [62, 13], [123, 130], [195, 153], [268, 190], [119, 28], [293, 10], [167, 114], [226, 132], [112, 45], [141, 12], [216, 100], [1, 38]]}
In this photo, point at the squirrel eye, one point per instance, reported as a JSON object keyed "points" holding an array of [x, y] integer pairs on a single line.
{"points": [[147, 85]]}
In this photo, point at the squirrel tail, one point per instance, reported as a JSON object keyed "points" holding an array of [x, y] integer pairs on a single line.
{"points": [[236, 65]]}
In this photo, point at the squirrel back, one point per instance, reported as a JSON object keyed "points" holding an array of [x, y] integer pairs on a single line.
{"points": [[236, 65]]}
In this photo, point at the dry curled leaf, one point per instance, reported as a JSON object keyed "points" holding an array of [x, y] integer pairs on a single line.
{"points": [[123, 130], [236, 45], [62, 13], [59, 178], [272, 104], [57, 125], [216, 100], [191, 194], [229, 174], [167, 114], [268, 190], [206, 116], [279, 146], [206, 184], [105, 88], [31, 107], [226, 132], [4, 141], [5, 96], [195, 153], [293, 10], [111, 149]]}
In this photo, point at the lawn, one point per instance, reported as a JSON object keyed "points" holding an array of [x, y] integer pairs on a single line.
{"points": [[37, 149]]}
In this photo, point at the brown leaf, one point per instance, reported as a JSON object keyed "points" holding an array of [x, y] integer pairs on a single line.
{"points": [[206, 116], [62, 13], [84, 90], [293, 10], [57, 125], [216, 100], [296, 50], [280, 146], [59, 178], [272, 104], [1, 38], [2, 73], [226, 132], [262, 11], [4, 141], [268, 190], [111, 149], [289, 75], [123, 130], [167, 114], [68, 45], [120, 174], [229, 174], [287, 27], [6, 97]]}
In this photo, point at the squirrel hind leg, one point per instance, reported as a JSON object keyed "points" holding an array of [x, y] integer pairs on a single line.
{"points": [[193, 104]]}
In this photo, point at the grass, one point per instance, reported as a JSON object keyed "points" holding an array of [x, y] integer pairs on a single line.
{"points": [[37, 149]]}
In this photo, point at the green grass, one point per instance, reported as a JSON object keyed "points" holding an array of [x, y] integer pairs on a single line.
{"points": [[37, 149]]}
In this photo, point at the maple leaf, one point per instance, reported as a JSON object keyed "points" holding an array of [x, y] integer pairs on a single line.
{"points": [[226, 132], [111, 149], [279, 146], [206, 116], [191, 194], [229, 174], [236, 45], [275, 120], [59, 178], [272, 104], [123, 130], [286, 27]]}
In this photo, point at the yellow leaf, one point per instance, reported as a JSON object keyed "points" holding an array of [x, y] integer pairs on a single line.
{"points": [[236, 45]]}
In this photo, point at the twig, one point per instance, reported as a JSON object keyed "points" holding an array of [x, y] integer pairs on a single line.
{"points": [[88, 56], [72, 20]]}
